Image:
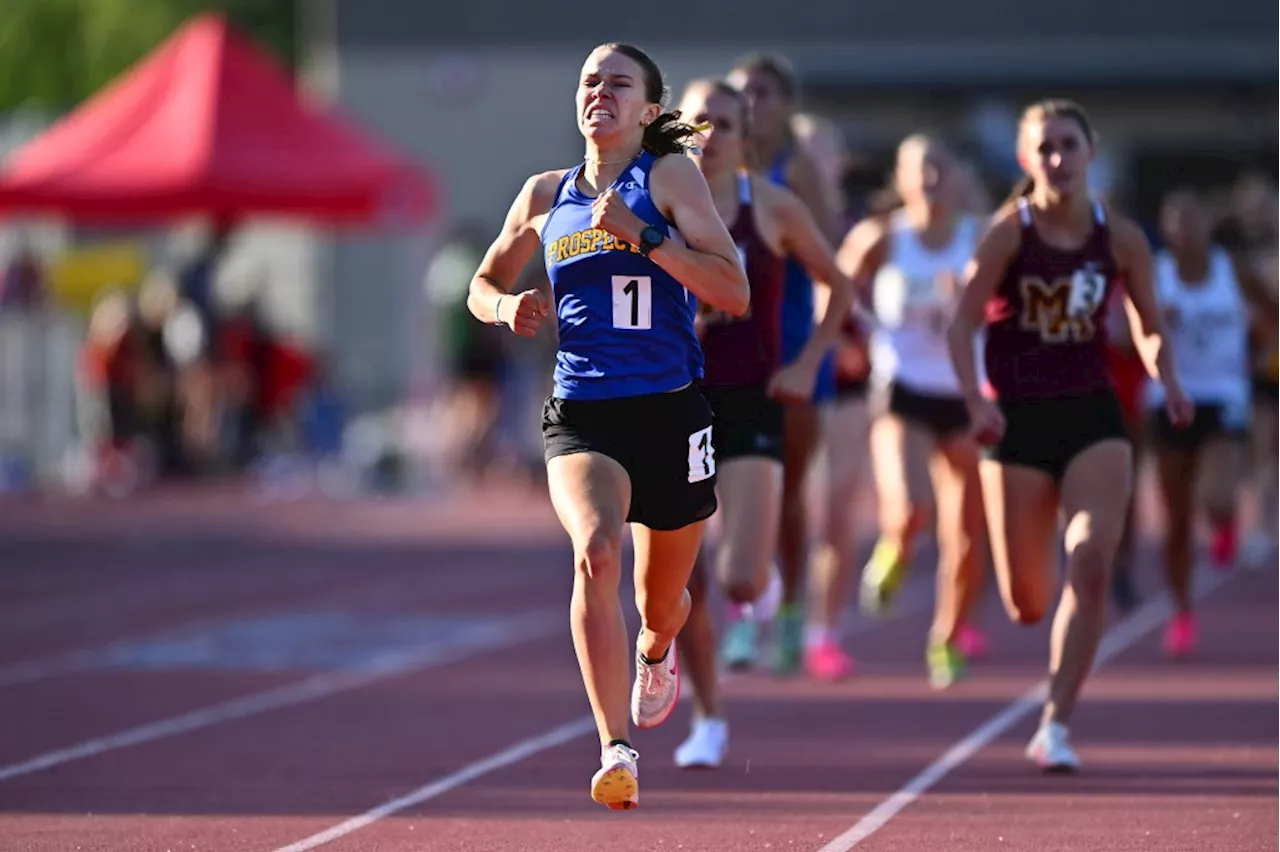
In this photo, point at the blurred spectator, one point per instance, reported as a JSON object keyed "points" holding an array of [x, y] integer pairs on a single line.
{"points": [[106, 373], [22, 344], [22, 282], [156, 389], [108, 381], [322, 414], [475, 354], [243, 358], [198, 279]]}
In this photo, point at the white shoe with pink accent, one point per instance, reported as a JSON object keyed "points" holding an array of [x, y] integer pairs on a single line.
{"points": [[656, 690]]}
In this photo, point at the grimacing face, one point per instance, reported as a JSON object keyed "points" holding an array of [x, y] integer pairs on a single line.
{"points": [[611, 99]]}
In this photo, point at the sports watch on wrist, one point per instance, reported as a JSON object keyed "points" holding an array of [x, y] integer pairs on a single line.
{"points": [[650, 239]]}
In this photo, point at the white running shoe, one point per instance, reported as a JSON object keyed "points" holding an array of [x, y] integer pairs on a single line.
{"points": [[1050, 749], [655, 691], [617, 784], [766, 606], [706, 746]]}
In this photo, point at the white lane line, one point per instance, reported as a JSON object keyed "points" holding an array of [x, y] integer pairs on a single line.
{"points": [[511, 631], [513, 754], [96, 657], [1117, 640], [912, 600]]}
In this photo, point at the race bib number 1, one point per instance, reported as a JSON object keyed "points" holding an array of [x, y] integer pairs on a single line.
{"points": [[632, 301], [702, 456]]}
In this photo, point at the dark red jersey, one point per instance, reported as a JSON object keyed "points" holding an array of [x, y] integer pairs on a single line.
{"points": [[1046, 323], [748, 349]]}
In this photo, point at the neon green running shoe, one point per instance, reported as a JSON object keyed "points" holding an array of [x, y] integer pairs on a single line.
{"points": [[947, 666], [882, 577]]}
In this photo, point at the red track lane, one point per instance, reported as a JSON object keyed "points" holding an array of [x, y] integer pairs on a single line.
{"points": [[1200, 758], [1177, 756], [127, 593]]}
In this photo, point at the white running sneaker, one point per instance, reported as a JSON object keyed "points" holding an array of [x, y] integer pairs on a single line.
{"points": [[766, 606], [655, 691], [617, 784], [1050, 749], [706, 746]]}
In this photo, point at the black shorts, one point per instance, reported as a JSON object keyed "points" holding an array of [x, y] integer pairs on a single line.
{"points": [[1047, 434], [943, 416], [1266, 389], [662, 440], [747, 422], [856, 389], [1211, 422]]}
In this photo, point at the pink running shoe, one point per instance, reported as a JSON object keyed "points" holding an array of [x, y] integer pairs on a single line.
{"points": [[1224, 547], [1180, 635], [826, 660], [972, 642]]}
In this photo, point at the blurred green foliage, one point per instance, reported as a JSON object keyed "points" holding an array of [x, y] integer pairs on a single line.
{"points": [[55, 53]]}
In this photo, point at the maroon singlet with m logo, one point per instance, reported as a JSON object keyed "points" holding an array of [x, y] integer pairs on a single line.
{"points": [[747, 350], [1046, 322]]}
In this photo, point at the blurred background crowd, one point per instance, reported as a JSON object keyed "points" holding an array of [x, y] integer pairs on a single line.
{"points": [[318, 351]]}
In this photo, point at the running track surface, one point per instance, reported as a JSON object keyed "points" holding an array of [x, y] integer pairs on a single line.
{"points": [[440, 704]]}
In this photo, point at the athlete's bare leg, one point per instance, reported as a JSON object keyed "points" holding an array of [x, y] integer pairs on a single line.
{"points": [[591, 493], [833, 567], [1095, 492]]}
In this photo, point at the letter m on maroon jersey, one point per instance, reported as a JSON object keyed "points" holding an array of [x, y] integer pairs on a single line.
{"points": [[1045, 311]]}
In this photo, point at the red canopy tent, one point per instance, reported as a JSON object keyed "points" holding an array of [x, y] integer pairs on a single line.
{"points": [[208, 124]]}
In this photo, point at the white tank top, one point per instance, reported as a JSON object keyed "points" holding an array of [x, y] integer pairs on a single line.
{"points": [[914, 295], [1208, 327]]}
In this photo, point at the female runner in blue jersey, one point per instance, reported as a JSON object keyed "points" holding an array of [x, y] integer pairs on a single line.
{"points": [[631, 241]]}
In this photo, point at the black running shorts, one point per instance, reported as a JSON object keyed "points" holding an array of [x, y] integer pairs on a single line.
{"points": [[1211, 422], [944, 417], [1048, 434], [747, 422], [662, 440]]}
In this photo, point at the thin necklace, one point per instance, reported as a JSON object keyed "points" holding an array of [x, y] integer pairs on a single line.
{"points": [[610, 162]]}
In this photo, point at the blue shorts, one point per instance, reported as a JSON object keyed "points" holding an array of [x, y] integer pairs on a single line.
{"points": [[797, 328]]}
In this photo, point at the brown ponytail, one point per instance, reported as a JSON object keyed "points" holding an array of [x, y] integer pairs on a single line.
{"points": [[666, 134], [1024, 187], [883, 201]]}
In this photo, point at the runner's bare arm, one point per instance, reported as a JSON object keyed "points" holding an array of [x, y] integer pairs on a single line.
{"points": [[990, 261], [511, 250], [705, 260]]}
